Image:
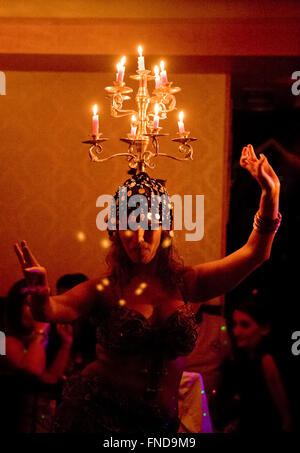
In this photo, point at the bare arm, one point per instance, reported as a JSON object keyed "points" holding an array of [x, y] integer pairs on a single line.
{"points": [[277, 391], [62, 309], [208, 280]]}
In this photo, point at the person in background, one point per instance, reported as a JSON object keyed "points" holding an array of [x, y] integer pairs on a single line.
{"points": [[68, 281], [27, 378], [253, 396], [83, 349]]}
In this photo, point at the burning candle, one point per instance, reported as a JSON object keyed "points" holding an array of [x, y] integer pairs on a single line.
{"points": [[156, 117], [121, 69], [133, 125], [180, 122], [157, 77], [163, 73], [95, 120], [141, 62]]}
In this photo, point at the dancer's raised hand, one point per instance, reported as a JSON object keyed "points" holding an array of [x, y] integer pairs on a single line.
{"points": [[260, 169]]}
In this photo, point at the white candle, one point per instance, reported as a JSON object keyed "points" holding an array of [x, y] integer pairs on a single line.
{"points": [[141, 62], [180, 122], [156, 117], [163, 73], [157, 77], [133, 125], [95, 120], [121, 69]]}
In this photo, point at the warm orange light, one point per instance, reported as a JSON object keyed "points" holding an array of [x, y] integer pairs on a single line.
{"points": [[156, 70], [81, 237], [181, 116], [156, 109], [123, 61], [105, 243], [162, 65], [95, 109], [140, 51], [133, 119]]}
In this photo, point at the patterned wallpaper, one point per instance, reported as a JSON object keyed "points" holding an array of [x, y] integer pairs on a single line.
{"points": [[49, 186]]}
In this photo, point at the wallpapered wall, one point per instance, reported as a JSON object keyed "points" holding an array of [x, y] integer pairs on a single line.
{"points": [[49, 186]]}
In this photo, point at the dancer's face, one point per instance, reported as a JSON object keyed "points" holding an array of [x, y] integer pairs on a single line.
{"points": [[141, 245], [247, 332]]}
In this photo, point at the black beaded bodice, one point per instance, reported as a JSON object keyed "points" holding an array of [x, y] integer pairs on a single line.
{"points": [[127, 331]]}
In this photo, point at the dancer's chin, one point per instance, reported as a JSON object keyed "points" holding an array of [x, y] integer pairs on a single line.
{"points": [[141, 257]]}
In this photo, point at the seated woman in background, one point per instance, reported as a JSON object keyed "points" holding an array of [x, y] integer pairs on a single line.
{"points": [[25, 402], [145, 324], [252, 397]]}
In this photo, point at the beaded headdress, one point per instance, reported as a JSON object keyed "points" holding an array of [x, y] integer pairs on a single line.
{"points": [[156, 208]]}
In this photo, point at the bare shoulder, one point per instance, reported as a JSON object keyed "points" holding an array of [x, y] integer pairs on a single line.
{"points": [[13, 343], [100, 289], [269, 366], [14, 350], [81, 299], [268, 361]]}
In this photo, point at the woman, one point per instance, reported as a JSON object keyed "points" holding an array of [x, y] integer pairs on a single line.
{"points": [[26, 370], [251, 383], [144, 324]]}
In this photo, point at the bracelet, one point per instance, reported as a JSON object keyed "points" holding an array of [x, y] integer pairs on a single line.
{"points": [[37, 290], [266, 226]]}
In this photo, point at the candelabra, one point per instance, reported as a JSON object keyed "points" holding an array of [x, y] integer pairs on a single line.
{"points": [[143, 140]]}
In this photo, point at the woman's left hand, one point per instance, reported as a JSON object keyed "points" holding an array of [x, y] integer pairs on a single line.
{"points": [[65, 332], [260, 169]]}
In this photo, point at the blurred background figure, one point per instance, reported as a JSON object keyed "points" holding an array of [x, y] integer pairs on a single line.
{"points": [[252, 397], [83, 349], [68, 281], [28, 376]]}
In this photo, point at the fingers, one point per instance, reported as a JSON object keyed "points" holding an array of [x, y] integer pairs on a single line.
{"points": [[251, 152], [244, 157], [64, 328], [20, 255], [248, 156], [25, 256], [28, 255]]}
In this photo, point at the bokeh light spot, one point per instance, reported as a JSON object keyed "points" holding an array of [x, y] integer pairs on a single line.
{"points": [[80, 236]]}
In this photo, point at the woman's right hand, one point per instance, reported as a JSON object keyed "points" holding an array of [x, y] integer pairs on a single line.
{"points": [[35, 275]]}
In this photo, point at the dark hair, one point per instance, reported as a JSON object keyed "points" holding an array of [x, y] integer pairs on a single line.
{"points": [[13, 312], [253, 306], [170, 267], [68, 281]]}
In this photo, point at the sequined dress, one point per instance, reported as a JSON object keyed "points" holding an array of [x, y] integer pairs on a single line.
{"points": [[95, 403]]}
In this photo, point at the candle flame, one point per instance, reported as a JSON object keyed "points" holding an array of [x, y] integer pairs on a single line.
{"points": [[156, 70], [95, 109], [162, 65], [140, 51], [133, 119], [123, 61], [181, 116], [119, 65], [156, 109]]}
